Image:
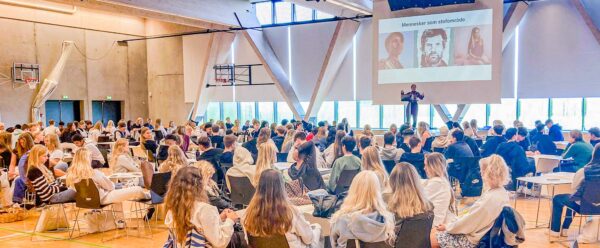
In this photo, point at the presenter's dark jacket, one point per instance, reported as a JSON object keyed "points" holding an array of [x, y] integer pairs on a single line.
{"points": [[491, 145], [412, 96], [459, 149]]}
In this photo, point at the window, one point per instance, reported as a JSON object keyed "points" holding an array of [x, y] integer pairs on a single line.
{"points": [[323, 15], [347, 109], [437, 120], [247, 110], [230, 110], [567, 112], [284, 112], [264, 12], [326, 113], [266, 111], [532, 110], [477, 112], [392, 114], [283, 12], [369, 114], [592, 115], [213, 111], [506, 111], [424, 111], [303, 13]]}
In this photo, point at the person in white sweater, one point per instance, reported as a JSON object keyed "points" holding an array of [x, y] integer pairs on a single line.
{"points": [[188, 208], [283, 218], [468, 229], [121, 161], [363, 215], [242, 165], [438, 189]]}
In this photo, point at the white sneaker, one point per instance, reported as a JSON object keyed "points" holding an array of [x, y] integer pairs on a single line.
{"points": [[554, 234], [564, 233]]}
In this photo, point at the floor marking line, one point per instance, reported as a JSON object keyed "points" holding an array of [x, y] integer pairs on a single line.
{"points": [[56, 238]]}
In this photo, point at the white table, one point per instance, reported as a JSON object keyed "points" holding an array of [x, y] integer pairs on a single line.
{"points": [[128, 178], [549, 180], [284, 166], [561, 145]]}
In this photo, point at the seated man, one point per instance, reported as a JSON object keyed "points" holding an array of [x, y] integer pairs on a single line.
{"points": [[122, 131], [210, 154], [514, 156], [278, 140], [163, 150], [524, 139], [227, 156], [215, 138], [544, 143], [406, 135], [594, 135], [458, 148], [250, 145], [579, 150], [363, 142], [97, 158], [415, 156], [346, 162], [554, 130], [491, 143], [390, 151]]}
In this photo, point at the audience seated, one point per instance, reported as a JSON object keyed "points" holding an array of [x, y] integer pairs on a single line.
{"points": [[363, 215], [170, 140], [437, 188], [266, 159], [390, 150], [121, 160], [472, 145], [425, 136], [372, 162], [594, 135], [120, 133], [279, 139], [306, 163], [175, 160], [9, 158], [147, 142], [491, 143], [288, 142], [514, 156], [442, 141], [216, 197], [97, 158], [44, 184], [270, 213], [458, 148], [579, 150], [210, 154], [215, 138], [55, 163], [554, 130], [189, 211], [346, 162], [406, 135], [334, 151], [251, 146], [468, 229], [524, 139], [242, 165], [229, 142], [544, 143], [415, 157]]}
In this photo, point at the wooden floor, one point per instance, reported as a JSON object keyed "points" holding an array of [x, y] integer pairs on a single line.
{"points": [[18, 234]]}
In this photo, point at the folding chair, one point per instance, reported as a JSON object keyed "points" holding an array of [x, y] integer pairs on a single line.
{"points": [[279, 241], [344, 181], [158, 190], [242, 190]]}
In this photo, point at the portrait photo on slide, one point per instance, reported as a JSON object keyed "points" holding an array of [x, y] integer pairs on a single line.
{"points": [[398, 50], [472, 45]]}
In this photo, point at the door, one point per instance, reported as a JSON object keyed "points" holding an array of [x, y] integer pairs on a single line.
{"points": [[106, 110], [63, 110]]}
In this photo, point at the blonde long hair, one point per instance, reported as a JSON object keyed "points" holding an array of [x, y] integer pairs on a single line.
{"points": [[269, 212], [176, 159], [289, 137], [185, 189], [266, 158], [142, 139], [33, 161], [372, 162], [207, 170], [81, 167], [120, 148], [28, 140], [53, 142], [364, 197], [436, 166], [408, 198], [494, 172]]}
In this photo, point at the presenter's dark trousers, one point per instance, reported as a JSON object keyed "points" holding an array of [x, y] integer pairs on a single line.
{"points": [[411, 112]]}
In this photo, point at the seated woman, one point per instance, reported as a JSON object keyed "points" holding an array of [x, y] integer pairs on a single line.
{"points": [[188, 209], [242, 165], [81, 169], [363, 215], [8, 156], [121, 160], [438, 189], [58, 167], [216, 197], [46, 188], [175, 160], [372, 162], [282, 218], [266, 159], [441, 141], [95, 131], [468, 229], [147, 141], [592, 169]]}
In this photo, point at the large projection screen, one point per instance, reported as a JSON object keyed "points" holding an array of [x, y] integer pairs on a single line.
{"points": [[452, 53]]}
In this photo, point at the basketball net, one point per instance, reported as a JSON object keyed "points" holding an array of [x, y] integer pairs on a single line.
{"points": [[32, 82]]}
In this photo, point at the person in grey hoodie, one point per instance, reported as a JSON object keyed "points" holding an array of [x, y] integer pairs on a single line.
{"points": [[363, 215], [389, 150]]}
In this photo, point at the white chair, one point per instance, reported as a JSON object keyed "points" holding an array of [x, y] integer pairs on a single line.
{"points": [[546, 165], [68, 146]]}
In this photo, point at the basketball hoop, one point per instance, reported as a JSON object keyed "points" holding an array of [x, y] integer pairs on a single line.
{"points": [[32, 82]]}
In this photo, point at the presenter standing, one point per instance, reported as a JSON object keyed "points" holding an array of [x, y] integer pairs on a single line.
{"points": [[412, 107]]}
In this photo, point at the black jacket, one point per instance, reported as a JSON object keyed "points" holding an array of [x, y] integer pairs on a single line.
{"points": [[491, 145], [459, 149], [515, 157], [278, 140]]}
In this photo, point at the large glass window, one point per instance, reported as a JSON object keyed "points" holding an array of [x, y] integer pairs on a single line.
{"points": [[264, 12], [266, 111], [392, 114], [369, 114], [230, 110], [567, 112], [284, 112], [283, 12], [437, 120], [303, 13], [424, 111], [323, 15], [532, 110], [247, 111], [506, 111], [347, 109], [213, 111], [477, 112], [592, 115], [326, 113]]}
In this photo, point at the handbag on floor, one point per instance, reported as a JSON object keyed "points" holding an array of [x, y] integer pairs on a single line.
{"points": [[51, 218], [297, 193], [324, 203]]}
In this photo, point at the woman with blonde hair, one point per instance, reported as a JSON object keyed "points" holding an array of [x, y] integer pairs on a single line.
{"points": [[188, 211], [441, 141], [468, 229], [438, 188], [363, 215], [8, 156], [121, 160], [270, 213], [110, 128], [175, 160], [424, 135], [95, 131], [408, 198], [214, 193], [467, 129], [264, 136], [288, 142], [147, 142], [372, 162], [55, 162], [267, 157], [334, 151], [44, 184]]}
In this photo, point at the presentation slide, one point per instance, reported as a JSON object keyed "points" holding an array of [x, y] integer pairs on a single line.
{"points": [[447, 47]]}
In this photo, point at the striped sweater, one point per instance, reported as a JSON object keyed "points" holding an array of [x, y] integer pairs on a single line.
{"points": [[43, 189]]}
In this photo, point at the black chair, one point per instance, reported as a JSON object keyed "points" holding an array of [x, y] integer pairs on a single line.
{"points": [[414, 231], [158, 190], [343, 183], [158, 136], [102, 139], [467, 172], [438, 149], [353, 243], [88, 197], [389, 165], [278, 241], [282, 156], [104, 153], [242, 190], [224, 168]]}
